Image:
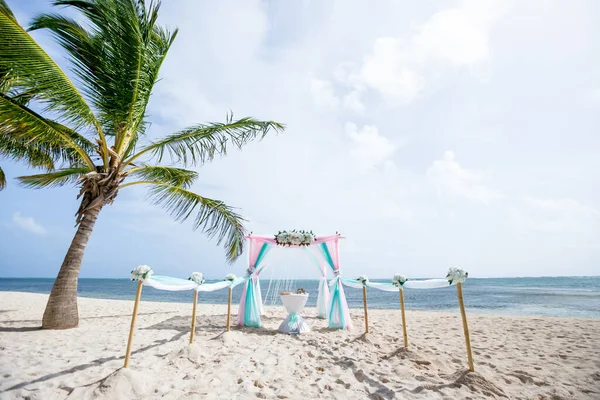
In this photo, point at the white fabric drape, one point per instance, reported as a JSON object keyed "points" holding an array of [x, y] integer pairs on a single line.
{"points": [[388, 287], [351, 283], [211, 287], [427, 284], [259, 299], [323, 295], [323, 299], [177, 284], [170, 284]]}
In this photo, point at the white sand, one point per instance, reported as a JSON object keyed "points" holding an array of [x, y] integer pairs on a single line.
{"points": [[515, 357]]}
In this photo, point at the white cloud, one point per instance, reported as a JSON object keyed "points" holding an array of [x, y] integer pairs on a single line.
{"points": [[28, 224], [451, 179], [401, 68], [455, 36], [353, 102], [387, 70], [369, 148], [322, 93]]}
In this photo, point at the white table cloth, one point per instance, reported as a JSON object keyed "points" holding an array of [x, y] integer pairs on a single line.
{"points": [[294, 304]]}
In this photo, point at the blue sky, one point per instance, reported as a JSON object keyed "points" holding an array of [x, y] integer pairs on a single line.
{"points": [[430, 134]]}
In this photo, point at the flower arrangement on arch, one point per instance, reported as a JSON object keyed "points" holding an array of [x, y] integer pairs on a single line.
{"points": [[197, 278], [399, 280], [456, 275], [141, 273], [295, 238]]}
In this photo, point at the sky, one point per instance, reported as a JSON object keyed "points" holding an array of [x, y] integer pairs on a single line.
{"points": [[430, 134]]}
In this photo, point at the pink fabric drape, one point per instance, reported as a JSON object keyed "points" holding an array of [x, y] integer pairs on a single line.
{"points": [[254, 247], [334, 252]]}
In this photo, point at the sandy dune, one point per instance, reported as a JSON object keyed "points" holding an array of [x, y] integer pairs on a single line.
{"points": [[515, 357]]}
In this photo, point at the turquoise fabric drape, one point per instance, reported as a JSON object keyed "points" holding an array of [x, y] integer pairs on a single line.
{"points": [[336, 316], [251, 300], [293, 321], [327, 256], [261, 255], [251, 309]]}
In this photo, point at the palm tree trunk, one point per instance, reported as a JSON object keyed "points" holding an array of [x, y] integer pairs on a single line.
{"points": [[61, 311]]}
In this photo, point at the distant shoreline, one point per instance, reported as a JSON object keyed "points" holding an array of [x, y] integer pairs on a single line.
{"points": [[557, 297]]}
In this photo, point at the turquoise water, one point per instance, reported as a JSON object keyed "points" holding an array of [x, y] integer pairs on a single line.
{"points": [[551, 296]]}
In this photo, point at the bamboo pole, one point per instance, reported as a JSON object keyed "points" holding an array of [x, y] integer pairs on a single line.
{"points": [[194, 317], [138, 294], [366, 312], [465, 326], [403, 317], [229, 310]]}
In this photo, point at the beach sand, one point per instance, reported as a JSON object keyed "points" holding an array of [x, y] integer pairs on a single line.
{"points": [[517, 357]]}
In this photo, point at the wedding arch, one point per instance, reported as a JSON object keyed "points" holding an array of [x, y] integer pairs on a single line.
{"points": [[322, 250]]}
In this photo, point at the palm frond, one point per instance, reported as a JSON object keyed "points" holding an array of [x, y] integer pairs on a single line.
{"points": [[53, 179], [117, 59], [38, 73], [4, 9], [2, 176], [214, 217], [163, 174], [35, 153], [201, 143], [20, 123]]}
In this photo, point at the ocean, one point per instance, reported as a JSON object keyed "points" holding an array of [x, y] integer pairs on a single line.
{"points": [[548, 296]]}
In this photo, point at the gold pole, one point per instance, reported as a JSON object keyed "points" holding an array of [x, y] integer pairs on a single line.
{"points": [[403, 317], [194, 317], [138, 294], [465, 326], [366, 312], [229, 310]]}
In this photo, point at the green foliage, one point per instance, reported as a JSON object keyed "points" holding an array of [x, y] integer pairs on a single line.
{"points": [[20, 123], [33, 152], [37, 73], [52, 179], [161, 174], [89, 129], [214, 217], [202, 142]]}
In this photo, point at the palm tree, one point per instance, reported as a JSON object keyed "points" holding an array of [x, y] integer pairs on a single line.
{"points": [[93, 129]]}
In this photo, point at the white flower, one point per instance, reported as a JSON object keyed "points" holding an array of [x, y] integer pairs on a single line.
{"points": [[197, 278], [308, 238], [283, 238], [249, 270], [456, 275], [363, 279], [399, 280], [296, 239], [141, 273], [230, 277]]}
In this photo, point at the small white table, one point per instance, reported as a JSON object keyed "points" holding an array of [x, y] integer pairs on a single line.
{"points": [[294, 323]]}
